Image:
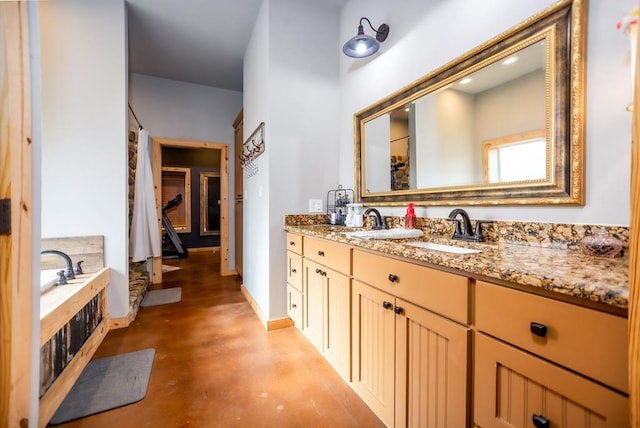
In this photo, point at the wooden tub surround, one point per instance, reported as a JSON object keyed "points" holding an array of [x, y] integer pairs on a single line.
{"points": [[512, 336], [73, 319], [58, 306]]}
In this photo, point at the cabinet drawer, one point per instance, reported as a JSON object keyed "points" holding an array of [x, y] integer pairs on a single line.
{"points": [[294, 270], [441, 292], [294, 243], [335, 256], [511, 386], [585, 340], [294, 306]]}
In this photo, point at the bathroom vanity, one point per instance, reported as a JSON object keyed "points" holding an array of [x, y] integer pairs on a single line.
{"points": [[513, 335]]}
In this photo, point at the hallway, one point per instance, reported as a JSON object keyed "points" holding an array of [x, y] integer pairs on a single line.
{"points": [[216, 366]]}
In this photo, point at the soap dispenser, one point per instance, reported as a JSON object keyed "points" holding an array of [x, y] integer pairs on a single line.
{"points": [[410, 217]]}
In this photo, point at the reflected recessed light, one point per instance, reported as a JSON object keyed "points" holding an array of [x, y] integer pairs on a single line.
{"points": [[510, 60], [466, 80]]}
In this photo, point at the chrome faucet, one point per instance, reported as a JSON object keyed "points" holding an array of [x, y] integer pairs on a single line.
{"points": [[467, 234], [70, 272], [377, 219]]}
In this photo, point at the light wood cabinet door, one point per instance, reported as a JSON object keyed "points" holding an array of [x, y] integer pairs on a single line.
{"points": [[337, 323], [432, 362], [373, 352], [313, 305], [512, 387], [294, 270], [294, 306]]}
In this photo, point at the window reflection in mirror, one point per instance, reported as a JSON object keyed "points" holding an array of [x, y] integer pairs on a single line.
{"points": [[515, 158]]}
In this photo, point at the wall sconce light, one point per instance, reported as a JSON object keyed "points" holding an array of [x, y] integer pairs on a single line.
{"points": [[363, 45]]}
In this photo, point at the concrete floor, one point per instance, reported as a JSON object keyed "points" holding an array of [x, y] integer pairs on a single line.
{"points": [[216, 366]]}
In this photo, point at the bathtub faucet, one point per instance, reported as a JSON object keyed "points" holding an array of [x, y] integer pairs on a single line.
{"points": [[69, 272]]}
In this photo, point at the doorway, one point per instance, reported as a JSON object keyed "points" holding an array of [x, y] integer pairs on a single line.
{"points": [[158, 144]]}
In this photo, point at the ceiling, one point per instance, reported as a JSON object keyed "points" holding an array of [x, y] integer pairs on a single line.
{"points": [[197, 41]]}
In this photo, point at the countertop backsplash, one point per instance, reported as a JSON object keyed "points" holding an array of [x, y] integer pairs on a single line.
{"points": [[548, 235]]}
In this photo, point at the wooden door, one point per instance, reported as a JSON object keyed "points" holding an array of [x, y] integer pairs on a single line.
{"points": [[512, 387], [313, 306], [15, 245], [239, 191], [373, 330], [337, 323], [432, 361]]}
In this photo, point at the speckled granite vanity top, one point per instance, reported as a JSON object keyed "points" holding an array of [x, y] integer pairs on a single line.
{"points": [[558, 270]]}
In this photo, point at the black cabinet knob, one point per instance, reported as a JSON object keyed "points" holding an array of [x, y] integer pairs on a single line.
{"points": [[393, 278], [318, 270], [399, 310], [294, 306], [321, 253], [538, 329], [293, 243], [539, 421], [387, 305], [293, 270]]}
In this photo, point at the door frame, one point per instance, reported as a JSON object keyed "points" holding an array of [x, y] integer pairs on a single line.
{"points": [[16, 248], [156, 165]]}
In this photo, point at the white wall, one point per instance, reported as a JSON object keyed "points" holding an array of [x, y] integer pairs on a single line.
{"points": [[84, 130], [425, 35], [36, 178], [173, 109], [290, 83]]}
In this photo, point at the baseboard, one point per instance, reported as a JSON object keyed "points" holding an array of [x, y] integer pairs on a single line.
{"points": [[267, 324], [279, 323], [115, 323]]}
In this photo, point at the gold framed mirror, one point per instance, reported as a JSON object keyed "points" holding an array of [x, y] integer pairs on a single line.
{"points": [[431, 142]]}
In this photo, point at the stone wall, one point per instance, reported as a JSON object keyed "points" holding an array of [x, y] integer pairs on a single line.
{"points": [[133, 159]]}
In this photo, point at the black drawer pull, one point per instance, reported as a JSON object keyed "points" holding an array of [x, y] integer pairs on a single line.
{"points": [[393, 278], [538, 329], [293, 270], [540, 421], [387, 305], [399, 310], [318, 270], [293, 243], [321, 253]]}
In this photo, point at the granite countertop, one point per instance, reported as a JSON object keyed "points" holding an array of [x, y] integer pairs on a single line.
{"points": [[567, 272]]}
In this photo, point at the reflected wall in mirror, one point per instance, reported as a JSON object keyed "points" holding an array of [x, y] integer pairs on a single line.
{"points": [[209, 203], [502, 124]]}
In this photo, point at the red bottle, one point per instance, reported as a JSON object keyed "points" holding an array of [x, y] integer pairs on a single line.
{"points": [[410, 217]]}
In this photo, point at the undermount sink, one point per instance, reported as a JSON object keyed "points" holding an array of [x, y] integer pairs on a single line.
{"points": [[442, 247], [396, 233]]}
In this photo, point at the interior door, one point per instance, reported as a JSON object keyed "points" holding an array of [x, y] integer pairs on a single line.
{"points": [[239, 190], [15, 217]]}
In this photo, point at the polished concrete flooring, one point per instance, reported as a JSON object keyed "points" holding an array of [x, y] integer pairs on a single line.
{"points": [[216, 366]]}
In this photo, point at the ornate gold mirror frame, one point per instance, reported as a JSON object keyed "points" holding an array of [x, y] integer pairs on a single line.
{"points": [[561, 28]]}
